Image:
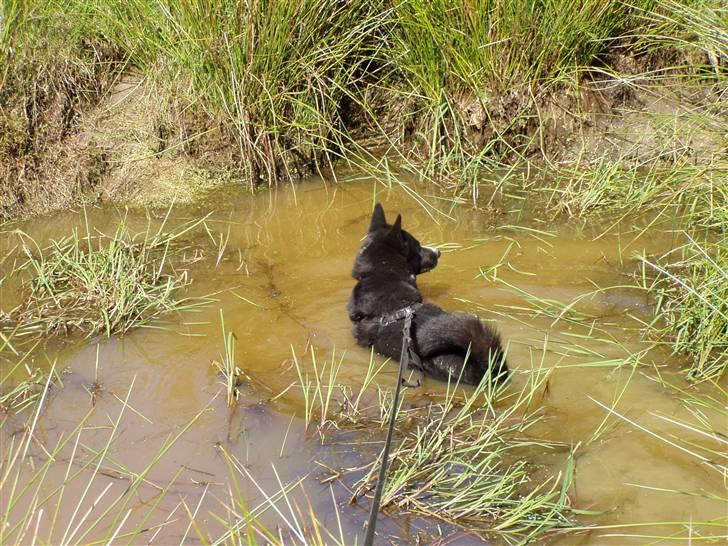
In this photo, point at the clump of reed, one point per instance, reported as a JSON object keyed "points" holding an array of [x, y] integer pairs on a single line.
{"points": [[100, 284], [329, 403], [688, 283], [232, 375], [462, 462], [691, 311]]}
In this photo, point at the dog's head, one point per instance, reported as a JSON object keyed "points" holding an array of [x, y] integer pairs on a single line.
{"points": [[391, 248]]}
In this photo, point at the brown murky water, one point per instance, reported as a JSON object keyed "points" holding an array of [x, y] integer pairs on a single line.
{"points": [[282, 281]]}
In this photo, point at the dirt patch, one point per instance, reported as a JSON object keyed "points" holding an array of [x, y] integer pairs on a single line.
{"points": [[158, 152], [130, 145], [635, 123], [43, 164]]}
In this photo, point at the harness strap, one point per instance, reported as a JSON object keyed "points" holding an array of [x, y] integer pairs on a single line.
{"points": [[389, 318], [403, 362]]}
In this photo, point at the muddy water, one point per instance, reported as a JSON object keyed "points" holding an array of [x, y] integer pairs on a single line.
{"points": [[280, 272]]}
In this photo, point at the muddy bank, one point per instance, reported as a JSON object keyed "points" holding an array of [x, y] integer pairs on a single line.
{"points": [[113, 143], [113, 135]]}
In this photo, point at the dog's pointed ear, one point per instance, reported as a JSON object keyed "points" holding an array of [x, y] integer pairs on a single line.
{"points": [[378, 219], [396, 228]]}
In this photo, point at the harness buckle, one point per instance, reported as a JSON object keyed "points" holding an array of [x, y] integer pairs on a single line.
{"points": [[404, 313]]}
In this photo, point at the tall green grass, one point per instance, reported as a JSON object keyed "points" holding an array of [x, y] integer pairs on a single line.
{"points": [[275, 74], [493, 46], [698, 191], [289, 85], [689, 27], [462, 462]]}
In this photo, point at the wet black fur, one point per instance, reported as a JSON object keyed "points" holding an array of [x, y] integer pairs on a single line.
{"points": [[386, 268]]}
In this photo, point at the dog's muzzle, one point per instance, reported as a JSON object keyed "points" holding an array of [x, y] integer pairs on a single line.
{"points": [[428, 258]]}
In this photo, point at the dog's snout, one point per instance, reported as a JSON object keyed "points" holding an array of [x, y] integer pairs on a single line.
{"points": [[428, 258], [432, 249]]}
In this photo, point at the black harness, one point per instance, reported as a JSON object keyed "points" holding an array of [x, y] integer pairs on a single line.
{"points": [[408, 352]]}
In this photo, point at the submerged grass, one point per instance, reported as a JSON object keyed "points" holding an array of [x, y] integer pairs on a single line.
{"points": [[100, 283], [242, 521], [19, 391], [71, 488], [452, 90], [328, 403], [700, 435], [688, 283], [697, 433], [33, 499], [17, 394], [228, 368]]}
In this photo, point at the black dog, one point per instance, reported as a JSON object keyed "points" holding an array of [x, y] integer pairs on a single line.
{"points": [[455, 346]]}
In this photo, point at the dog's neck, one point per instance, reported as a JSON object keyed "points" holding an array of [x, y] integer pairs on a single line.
{"points": [[386, 291]]}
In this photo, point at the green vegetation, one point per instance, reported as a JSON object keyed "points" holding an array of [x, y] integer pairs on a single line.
{"points": [[448, 88], [242, 521], [692, 305], [461, 464], [705, 410], [18, 394], [459, 459], [228, 368], [101, 283], [594, 107]]}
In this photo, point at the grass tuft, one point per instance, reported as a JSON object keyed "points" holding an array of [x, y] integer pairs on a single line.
{"points": [[232, 375], [463, 463], [692, 305], [100, 284], [459, 458]]}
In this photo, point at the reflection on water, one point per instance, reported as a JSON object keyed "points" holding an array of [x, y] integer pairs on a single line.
{"points": [[278, 265]]}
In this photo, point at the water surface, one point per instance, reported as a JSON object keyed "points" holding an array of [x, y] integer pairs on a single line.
{"points": [[279, 269]]}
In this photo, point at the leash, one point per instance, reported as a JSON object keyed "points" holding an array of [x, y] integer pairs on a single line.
{"points": [[406, 313]]}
